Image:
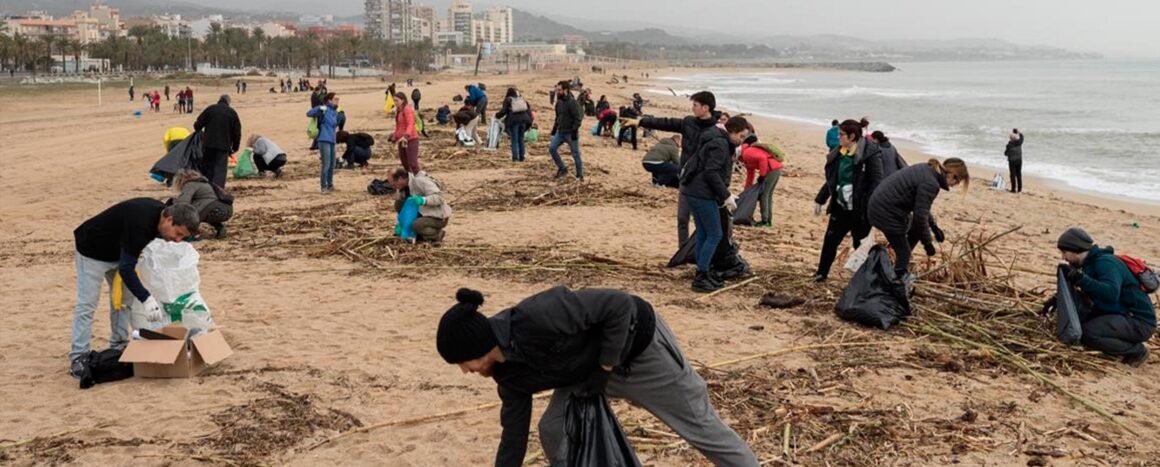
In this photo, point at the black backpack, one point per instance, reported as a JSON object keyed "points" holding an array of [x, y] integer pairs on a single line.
{"points": [[380, 188], [104, 367]]}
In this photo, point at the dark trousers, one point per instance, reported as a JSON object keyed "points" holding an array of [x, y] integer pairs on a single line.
{"points": [[900, 243], [606, 125], [664, 174], [842, 222], [214, 163], [516, 133], [216, 214], [356, 155], [707, 218], [275, 164], [1117, 335], [409, 156], [627, 134], [1016, 168]]}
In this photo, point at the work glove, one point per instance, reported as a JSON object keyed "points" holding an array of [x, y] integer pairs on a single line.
{"points": [[322, 108], [595, 384], [1048, 306], [730, 203], [1072, 274], [419, 200], [152, 310], [929, 248], [818, 209], [939, 236]]}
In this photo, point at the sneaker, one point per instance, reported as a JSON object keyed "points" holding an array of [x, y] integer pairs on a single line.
{"points": [[763, 224], [220, 232], [1136, 362], [278, 173], [817, 278], [561, 174], [703, 283], [78, 368]]}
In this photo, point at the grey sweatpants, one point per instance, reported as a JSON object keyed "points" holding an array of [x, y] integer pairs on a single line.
{"points": [[663, 383]]}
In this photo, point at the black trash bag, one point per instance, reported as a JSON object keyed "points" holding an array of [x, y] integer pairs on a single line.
{"points": [[726, 256], [184, 155], [1068, 329], [685, 253], [380, 188], [875, 296], [747, 205], [595, 438], [104, 367]]}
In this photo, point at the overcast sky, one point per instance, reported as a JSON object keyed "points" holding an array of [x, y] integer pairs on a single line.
{"points": [[1114, 27]]}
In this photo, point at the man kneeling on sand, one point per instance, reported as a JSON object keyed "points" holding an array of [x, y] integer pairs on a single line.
{"points": [[434, 213], [591, 341], [1117, 316]]}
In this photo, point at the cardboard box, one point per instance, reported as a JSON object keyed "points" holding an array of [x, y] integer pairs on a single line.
{"points": [[181, 357]]}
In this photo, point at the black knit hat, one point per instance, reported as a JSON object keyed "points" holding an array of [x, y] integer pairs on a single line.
{"points": [[1075, 240], [464, 333]]}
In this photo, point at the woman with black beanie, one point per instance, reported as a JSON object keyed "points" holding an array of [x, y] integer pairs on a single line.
{"points": [[585, 342]]}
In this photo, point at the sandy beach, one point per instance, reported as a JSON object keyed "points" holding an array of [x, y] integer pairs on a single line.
{"points": [[327, 339]]}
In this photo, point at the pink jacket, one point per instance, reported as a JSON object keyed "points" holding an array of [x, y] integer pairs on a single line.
{"points": [[405, 123], [757, 160]]}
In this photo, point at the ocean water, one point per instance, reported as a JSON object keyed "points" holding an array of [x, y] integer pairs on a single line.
{"points": [[1093, 125]]}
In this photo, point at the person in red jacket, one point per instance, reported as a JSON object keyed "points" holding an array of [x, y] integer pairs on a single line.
{"points": [[607, 120], [764, 160], [405, 134]]}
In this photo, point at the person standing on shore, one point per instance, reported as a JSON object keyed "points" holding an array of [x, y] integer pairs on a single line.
{"points": [[853, 172], [902, 203], [1117, 317], [892, 161], [405, 135], [166, 93], [327, 115], [1014, 155], [222, 135], [832, 136], [705, 185], [704, 116], [517, 117], [188, 100], [585, 342], [763, 160], [569, 117]]}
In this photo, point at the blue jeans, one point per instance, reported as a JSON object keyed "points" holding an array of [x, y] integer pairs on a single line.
{"points": [[562, 137], [326, 153], [516, 132], [90, 273], [707, 218]]}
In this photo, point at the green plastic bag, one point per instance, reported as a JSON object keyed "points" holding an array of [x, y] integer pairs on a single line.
{"points": [[312, 129], [532, 135], [245, 167], [616, 129]]}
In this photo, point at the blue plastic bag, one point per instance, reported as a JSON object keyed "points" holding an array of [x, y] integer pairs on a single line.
{"points": [[596, 129], [406, 218]]}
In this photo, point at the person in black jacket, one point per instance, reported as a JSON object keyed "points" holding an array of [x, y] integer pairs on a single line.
{"points": [[853, 171], [358, 148], [892, 161], [704, 116], [221, 136], [415, 96], [705, 184], [516, 122], [584, 342], [569, 117], [902, 203], [1014, 155]]}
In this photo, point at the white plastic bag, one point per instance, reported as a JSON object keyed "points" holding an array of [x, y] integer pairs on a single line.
{"points": [[859, 256], [169, 272], [998, 183]]}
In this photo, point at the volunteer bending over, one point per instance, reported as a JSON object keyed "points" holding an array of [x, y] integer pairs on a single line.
{"points": [[108, 244], [589, 341]]}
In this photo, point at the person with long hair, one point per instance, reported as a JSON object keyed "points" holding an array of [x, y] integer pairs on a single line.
{"points": [[405, 134], [516, 114], [892, 161], [193, 188], [853, 171], [327, 115], [902, 204]]}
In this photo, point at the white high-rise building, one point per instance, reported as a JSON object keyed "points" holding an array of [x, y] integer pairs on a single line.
{"points": [[459, 17], [501, 18], [390, 20]]}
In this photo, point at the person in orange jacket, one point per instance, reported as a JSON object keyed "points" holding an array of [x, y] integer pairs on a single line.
{"points": [[764, 160], [405, 135]]}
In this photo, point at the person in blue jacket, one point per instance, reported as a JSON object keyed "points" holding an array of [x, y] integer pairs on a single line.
{"points": [[477, 97], [327, 115], [1117, 317], [832, 136]]}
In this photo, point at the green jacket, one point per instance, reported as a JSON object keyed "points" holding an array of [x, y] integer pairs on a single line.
{"points": [[665, 151], [1112, 288]]}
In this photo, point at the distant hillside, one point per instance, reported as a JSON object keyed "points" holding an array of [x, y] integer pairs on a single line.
{"points": [[531, 27]]}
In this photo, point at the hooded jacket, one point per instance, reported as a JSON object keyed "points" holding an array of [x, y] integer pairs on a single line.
{"points": [[867, 176], [200, 194], [1014, 150], [558, 338], [475, 94], [569, 117], [689, 127], [266, 149], [906, 198], [510, 118], [707, 174], [222, 130], [892, 161], [1112, 288], [665, 150]]}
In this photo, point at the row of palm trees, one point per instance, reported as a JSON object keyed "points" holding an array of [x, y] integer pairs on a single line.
{"points": [[147, 48]]}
